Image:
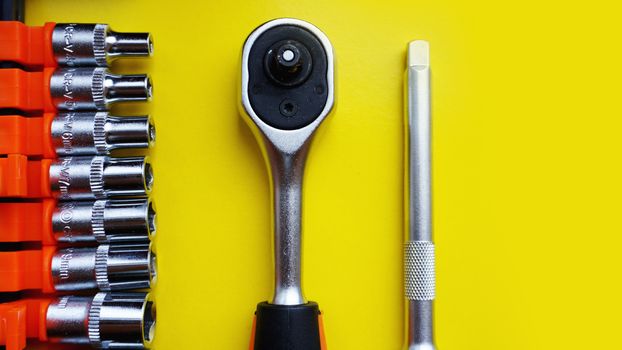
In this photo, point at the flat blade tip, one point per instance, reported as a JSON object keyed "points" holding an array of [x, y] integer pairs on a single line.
{"points": [[419, 53]]}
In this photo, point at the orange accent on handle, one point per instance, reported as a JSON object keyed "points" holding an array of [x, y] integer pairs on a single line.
{"points": [[26, 91], [252, 343], [23, 319], [30, 46], [27, 136], [23, 178], [322, 334]]}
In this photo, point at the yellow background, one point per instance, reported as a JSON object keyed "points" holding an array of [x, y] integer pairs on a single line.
{"points": [[526, 108]]}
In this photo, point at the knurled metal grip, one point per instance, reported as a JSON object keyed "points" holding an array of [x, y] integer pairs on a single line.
{"points": [[419, 270]]}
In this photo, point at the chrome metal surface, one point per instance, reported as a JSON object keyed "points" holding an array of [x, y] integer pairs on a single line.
{"points": [[100, 177], [420, 330], [419, 270], [287, 171], [105, 221], [67, 320], [74, 269], [75, 89], [419, 262], [98, 133], [105, 268], [285, 152], [128, 267], [128, 45], [107, 320], [79, 44]]}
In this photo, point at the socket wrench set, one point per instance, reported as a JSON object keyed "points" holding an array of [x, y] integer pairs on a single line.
{"points": [[76, 221]]}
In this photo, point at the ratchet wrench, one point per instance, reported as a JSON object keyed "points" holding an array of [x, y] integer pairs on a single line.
{"points": [[287, 91]]}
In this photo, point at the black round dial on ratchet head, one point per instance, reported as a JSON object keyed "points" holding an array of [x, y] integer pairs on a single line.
{"points": [[287, 85], [288, 63]]}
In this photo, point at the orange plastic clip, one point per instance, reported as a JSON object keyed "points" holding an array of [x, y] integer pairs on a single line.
{"points": [[27, 222], [27, 269], [26, 91], [29, 136], [23, 319], [28, 46], [23, 178]]}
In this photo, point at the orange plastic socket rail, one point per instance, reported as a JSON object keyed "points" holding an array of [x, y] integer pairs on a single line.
{"points": [[23, 319], [24, 178], [27, 269], [27, 222], [29, 136], [28, 92], [30, 46]]}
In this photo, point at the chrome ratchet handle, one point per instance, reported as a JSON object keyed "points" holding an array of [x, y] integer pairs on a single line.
{"points": [[287, 172], [287, 91]]}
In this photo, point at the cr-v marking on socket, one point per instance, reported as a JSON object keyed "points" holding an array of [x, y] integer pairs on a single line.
{"points": [[286, 60], [68, 36], [68, 85]]}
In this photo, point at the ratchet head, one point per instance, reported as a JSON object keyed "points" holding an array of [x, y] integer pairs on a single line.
{"points": [[287, 82]]}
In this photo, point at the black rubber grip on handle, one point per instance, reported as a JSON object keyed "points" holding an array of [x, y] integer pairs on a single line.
{"points": [[287, 327], [12, 10]]}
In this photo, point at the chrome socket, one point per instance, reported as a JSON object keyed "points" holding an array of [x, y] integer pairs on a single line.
{"points": [[98, 133], [105, 221], [74, 89], [100, 177], [106, 321], [106, 268], [86, 45]]}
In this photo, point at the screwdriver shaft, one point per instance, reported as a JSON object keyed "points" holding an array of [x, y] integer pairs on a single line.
{"points": [[419, 248]]}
